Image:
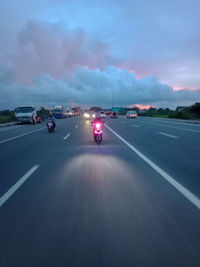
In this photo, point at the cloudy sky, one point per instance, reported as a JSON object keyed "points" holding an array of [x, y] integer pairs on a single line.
{"points": [[86, 51]]}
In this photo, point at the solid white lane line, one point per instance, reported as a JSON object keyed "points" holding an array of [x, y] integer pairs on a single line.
{"points": [[18, 136], [16, 186], [136, 125], [76, 126], [168, 135], [66, 136], [184, 191]]}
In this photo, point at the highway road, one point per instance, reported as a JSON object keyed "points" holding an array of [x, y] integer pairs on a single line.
{"points": [[133, 200]]}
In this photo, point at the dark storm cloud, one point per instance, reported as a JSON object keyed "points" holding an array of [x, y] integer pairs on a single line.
{"points": [[94, 87]]}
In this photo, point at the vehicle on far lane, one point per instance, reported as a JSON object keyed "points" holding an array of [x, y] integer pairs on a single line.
{"points": [[89, 115], [113, 115], [39, 119], [102, 114], [60, 112], [26, 114], [71, 113], [77, 111], [108, 112], [132, 114]]}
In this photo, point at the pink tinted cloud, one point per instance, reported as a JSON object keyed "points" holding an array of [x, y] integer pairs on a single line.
{"points": [[177, 88], [140, 106]]}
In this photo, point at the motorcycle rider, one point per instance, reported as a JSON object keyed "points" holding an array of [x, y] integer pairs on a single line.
{"points": [[98, 119], [51, 119], [95, 122]]}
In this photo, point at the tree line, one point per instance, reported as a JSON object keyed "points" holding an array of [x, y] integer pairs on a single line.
{"points": [[187, 113]]}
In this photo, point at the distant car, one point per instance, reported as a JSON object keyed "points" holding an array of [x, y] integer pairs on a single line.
{"points": [[131, 114], [89, 115], [71, 113], [113, 115], [102, 114], [108, 112]]}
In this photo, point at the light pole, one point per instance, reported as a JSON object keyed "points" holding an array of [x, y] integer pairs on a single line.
{"points": [[112, 99]]}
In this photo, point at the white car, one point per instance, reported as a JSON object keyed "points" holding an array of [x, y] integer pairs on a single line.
{"points": [[131, 114], [89, 115], [102, 114]]}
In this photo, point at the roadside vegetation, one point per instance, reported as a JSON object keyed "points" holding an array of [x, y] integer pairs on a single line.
{"points": [[7, 116], [187, 113], [43, 112]]}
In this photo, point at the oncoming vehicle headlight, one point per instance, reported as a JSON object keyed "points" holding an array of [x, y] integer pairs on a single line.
{"points": [[86, 115]]}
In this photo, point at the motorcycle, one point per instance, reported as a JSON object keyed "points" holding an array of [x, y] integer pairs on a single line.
{"points": [[38, 119], [97, 132], [51, 126]]}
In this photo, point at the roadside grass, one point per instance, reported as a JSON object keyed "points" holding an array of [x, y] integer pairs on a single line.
{"points": [[175, 116], [185, 113], [6, 119], [162, 116]]}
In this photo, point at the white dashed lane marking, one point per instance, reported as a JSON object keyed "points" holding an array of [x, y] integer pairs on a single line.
{"points": [[168, 135], [66, 136]]}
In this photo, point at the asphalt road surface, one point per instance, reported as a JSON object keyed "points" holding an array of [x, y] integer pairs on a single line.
{"points": [[133, 200]]}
